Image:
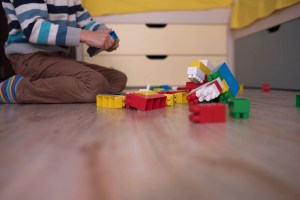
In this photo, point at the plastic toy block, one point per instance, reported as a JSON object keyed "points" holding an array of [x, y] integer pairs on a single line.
{"points": [[191, 85], [225, 97], [91, 51], [158, 89], [204, 113], [241, 88], [146, 93], [110, 101], [226, 87], [298, 100], [170, 99], [239, 108], [195, 74], [145, 103], [211, 90], [180, 97], [266, 87], [225, 73]]}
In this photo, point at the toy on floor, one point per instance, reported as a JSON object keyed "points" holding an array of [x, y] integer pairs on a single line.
{"points": [[298, 100], [110, 101], [217, 82], [91, 51], [145, 102], [204, 113], [239, 108], [266, 87]]}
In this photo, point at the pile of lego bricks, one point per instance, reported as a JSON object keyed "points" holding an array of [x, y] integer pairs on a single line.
{"points": [[208, 93]]}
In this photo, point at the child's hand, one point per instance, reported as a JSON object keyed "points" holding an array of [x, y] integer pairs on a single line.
{"points": [[99, 39], [115, 46]]}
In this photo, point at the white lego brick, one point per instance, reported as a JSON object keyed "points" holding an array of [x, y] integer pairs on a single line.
{"points": [[195, 74]]}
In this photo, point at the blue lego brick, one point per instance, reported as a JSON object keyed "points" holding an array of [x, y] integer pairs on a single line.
{"points": [[226, 74], [91, 51]]}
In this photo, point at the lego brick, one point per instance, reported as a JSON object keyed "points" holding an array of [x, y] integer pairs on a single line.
{"points": [[91, 51], [239, 108], [231, 81], [210, 90], [225, 97], [241, 88], [208, 64], [204, 113], [145, 103], [180, 97], [266, 87], [298, 100], [170, 99], [191, 85], [110, 101], [226, 87], [195, 74]]}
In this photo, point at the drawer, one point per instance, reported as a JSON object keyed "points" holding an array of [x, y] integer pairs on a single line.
{"points": [[172, 39], [141, 70], [271, 56]]}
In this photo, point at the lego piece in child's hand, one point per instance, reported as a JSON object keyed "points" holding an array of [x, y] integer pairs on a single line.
{"points": [[91, 51]]}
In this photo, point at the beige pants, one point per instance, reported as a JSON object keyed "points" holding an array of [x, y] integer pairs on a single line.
{"points": [[53, 78]]}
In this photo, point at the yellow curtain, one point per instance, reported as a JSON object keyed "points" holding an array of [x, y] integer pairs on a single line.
{"points": [[246, 12], [106, 7]]}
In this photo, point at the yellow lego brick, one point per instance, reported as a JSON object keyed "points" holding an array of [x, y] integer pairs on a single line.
{"points": [[110, 101], [241, 88], [150, 92], [195, 64], [170, 99], [226, 87], [158, 89], [180, 97], [204, 68]]}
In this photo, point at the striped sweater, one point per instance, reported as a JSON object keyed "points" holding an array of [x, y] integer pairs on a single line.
{"points": [[45, 25]]}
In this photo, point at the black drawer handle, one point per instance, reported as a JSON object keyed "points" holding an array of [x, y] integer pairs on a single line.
{"points": [[156, 57], [156, 25], [274, 29]]}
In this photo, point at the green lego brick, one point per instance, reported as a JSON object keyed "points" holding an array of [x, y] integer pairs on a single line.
{"points": [[298, 100], [214, 76], [225, 97], [239, 108]]}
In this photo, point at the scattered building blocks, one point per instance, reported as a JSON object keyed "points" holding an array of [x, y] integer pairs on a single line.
{"points": [[266, 87], [145, 102], [206, 92], [110, 101], [239, 108], [298, 100], [224, 72], [91, 51], [204, 113]]}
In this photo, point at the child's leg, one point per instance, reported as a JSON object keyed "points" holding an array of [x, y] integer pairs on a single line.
{"points": [[50, 78], [117, 80]]}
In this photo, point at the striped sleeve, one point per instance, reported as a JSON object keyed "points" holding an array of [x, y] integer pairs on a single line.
{"points": [[84, 19], [33, 15]]}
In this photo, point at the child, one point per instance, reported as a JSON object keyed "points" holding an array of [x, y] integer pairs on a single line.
{"points": [[40, 32]]}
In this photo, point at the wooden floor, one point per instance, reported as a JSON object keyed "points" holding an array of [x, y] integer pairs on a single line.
{"points": [[79, 152]]}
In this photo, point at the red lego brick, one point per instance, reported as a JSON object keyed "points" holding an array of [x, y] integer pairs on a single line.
{"points": [[145, 103], [204, 113], [191, 85], [266, 87]]}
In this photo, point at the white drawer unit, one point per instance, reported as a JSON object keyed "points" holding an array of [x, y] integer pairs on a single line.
{"points": [[161, 53]]}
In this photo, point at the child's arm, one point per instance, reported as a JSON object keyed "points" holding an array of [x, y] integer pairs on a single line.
{"points": [[32, 16]]}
